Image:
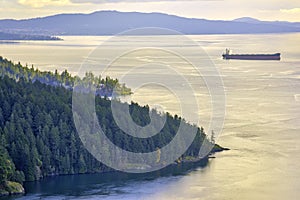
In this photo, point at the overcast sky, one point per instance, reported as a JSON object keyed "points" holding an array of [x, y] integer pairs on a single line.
{"points": [[284, 10]]}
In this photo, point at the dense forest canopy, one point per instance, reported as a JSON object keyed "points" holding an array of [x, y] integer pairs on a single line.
{"points": [[37, 133], [104, 86]]}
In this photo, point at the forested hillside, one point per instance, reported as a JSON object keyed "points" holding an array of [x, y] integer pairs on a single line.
{"points": [[105, 86], [38, 137]]}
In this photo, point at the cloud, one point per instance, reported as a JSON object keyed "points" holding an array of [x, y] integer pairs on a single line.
{"points": [[290, 11], [43, 3]]}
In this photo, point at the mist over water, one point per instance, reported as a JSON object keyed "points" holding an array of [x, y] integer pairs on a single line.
{"points": [[262, 121]]}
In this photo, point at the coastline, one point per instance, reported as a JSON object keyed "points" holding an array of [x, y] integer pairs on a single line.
{"points": [[10, 188], [184, 166], [216, 149]]}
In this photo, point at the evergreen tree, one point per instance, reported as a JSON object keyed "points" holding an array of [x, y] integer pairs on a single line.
{"points": [[37, 131]]}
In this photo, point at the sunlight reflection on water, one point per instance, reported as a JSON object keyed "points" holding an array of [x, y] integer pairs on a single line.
{"points": [[262, 120]]}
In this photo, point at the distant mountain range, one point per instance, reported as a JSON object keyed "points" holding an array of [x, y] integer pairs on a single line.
{"points": [[113, 22]]}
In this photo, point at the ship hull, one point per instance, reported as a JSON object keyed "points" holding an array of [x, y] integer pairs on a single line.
{"points": [[252, 56]]}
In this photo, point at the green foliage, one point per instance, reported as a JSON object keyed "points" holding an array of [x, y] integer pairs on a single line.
{"points": [[38, 132], [18, 177], [7, 168], [105, 86], [11, 188]]}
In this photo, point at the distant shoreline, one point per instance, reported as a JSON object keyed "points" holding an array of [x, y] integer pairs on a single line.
{"points": [[7, 37]]}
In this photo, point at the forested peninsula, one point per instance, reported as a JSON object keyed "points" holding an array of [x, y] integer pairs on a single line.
{"points": [[19, 36], [38, 137]]}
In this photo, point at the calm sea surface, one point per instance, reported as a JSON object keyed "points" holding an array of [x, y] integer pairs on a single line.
{"points": [[262, 121]]}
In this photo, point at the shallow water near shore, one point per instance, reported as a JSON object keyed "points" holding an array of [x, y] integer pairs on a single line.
{"points": [[261, 128]]}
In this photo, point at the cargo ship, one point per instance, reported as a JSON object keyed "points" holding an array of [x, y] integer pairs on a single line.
{"points": [[228, 55]]}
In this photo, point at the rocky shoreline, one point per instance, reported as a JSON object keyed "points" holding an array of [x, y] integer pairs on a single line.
{"points": [[217, 148], [11, 188]]}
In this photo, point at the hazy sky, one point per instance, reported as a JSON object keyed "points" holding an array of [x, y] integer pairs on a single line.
{"points": [[285, 10]]}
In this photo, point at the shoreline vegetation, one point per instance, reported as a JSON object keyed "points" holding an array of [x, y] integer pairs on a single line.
{"points": [[38, 137], [11, 188]]}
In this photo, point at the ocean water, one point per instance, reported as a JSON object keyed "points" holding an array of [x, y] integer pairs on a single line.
{"points": [[261, 123]]}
